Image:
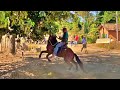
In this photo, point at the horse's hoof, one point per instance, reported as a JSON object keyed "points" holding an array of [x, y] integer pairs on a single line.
{"points": [[70, 68]]}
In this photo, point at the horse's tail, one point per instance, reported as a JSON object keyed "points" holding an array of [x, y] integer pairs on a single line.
{"points": [[79, 62]]}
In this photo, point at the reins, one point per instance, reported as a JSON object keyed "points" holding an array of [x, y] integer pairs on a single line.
{"points": [[52, 44]]}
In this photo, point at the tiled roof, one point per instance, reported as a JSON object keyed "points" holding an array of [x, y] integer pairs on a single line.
{"points": [[110, 26]]}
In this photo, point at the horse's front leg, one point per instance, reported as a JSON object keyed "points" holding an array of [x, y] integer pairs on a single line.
{"points": [[47, 56], [42, 52]]}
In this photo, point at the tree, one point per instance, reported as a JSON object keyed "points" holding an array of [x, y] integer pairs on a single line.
{"points": [[17, 21], [47, 21], [105, 17], [3, 20], [85, 16]]}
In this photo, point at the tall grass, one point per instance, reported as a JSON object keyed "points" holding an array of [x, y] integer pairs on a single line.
{"points": [[112, 45]]}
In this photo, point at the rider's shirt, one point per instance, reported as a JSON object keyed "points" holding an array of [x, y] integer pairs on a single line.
{"points": [[65, 37]]}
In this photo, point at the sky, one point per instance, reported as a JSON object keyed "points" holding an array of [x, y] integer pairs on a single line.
{"points": [[93, 12]]}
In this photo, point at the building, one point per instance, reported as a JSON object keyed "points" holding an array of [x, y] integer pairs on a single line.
{"points": [[109, 31]]}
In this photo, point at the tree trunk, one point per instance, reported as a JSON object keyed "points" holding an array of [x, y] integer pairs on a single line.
{"points": [[12, 45], [3, 43], [0, 47]]}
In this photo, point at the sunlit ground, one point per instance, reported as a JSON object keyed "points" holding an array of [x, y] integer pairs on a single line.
{"points": [[99, 63]]}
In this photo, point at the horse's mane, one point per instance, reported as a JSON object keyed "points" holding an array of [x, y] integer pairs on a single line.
{"points": [[53, 39]]}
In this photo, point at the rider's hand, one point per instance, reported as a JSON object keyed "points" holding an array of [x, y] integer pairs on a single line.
{"points": [[60, 37]]}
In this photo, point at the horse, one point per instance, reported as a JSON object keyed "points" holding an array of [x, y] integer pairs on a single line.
{"points": [[64, 52]]}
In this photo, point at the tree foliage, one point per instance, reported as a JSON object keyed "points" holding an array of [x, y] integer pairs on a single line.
{"points": [[35, 24]]}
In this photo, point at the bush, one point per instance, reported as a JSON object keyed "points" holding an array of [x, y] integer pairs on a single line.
{"points": [[103, 35], [91, 40]]}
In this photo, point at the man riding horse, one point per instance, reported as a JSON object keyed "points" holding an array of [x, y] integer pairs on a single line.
{"points": [[64, 41], [65, 52]]}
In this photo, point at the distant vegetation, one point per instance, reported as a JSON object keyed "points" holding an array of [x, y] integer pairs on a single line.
{"points": [[35, 24]]}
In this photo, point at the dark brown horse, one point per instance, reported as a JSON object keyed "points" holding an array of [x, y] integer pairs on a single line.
{"points": [[65, 52]]}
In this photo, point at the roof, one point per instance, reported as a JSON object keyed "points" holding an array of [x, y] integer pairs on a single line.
{"points": [[109, 26]]}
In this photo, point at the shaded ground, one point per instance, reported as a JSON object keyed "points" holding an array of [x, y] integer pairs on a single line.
{"points": [[99, 63]]}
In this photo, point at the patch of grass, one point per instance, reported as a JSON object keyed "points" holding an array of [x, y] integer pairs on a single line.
{"points": [[112, 45]]}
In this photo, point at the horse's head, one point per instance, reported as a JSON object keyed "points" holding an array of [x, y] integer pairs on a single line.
{"points": [[52, 39]]}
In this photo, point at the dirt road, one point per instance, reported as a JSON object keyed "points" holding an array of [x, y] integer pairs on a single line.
{"points": [[99, 64]]}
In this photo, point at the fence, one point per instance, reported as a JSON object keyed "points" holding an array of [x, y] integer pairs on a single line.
{"points": [[5, 43]]}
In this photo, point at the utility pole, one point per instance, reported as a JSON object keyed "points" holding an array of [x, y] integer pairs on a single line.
{"points": [[117, 25]]}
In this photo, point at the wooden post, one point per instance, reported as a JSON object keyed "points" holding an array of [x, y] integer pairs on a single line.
{"points": [[0, 47], [3, 43], [12, 44], [117, 26]]}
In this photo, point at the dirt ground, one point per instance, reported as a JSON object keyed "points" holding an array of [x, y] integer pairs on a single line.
{"points": [[99, 64]]}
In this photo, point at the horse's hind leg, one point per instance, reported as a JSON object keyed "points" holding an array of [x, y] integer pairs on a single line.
{"points": [[70, 64], [75, 64]]}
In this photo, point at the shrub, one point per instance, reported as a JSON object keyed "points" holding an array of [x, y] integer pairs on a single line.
{"points": [[91, 39]]}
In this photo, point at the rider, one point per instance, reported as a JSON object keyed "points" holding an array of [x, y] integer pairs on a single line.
{"points": [[64, 40]]}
